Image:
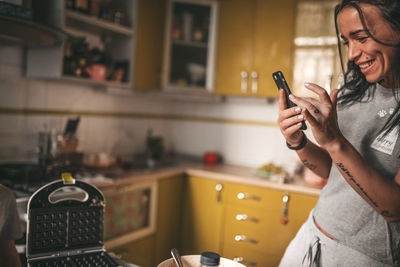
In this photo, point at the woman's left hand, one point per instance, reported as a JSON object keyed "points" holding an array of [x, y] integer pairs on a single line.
{"points": [[321, 115]]}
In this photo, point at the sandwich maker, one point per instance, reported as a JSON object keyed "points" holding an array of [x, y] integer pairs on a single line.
{"points": [[65, 226]]}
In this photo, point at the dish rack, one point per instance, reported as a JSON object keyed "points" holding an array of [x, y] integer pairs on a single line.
{"points": [[65, 226]]}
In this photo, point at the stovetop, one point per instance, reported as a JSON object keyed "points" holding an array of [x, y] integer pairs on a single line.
{"points": [[25, 178]]}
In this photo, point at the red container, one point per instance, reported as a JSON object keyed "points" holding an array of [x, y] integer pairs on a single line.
{"points": [[211, 158]]}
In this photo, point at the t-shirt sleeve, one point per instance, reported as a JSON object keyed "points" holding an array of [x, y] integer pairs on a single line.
{"points": [[10, 226]]}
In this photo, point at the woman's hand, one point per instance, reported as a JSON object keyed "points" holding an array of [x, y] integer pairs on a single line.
{"points": [[321, 115], [289, 121]]}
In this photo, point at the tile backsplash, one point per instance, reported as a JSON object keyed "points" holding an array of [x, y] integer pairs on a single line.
{"points": [[238, 142]]}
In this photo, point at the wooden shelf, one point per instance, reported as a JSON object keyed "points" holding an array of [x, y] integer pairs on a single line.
{"points": [[84, 80], [95, 25], [190, 44]]}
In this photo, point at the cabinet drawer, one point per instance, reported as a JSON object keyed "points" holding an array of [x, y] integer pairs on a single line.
{"points": [[268, 235], [252, 258], [252, 196]]}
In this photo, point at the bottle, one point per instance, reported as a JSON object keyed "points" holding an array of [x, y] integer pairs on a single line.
{"points": [[209, 259]]}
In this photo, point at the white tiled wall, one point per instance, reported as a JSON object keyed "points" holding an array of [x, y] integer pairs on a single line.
{"points": [[19, 133], [243, 144]]}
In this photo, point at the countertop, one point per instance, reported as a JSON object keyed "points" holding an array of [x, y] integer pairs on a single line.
{"points": [[220, 172]]}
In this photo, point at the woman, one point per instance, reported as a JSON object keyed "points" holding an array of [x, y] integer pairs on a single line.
{"points": [[9, 228], [356, 221]]}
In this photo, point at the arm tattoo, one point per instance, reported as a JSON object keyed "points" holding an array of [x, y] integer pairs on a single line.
{"points": [[347, 172], [384, 213], [309, 165]]}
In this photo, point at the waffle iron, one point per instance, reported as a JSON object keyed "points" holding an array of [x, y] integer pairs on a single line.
{"points": [[65, 226]]}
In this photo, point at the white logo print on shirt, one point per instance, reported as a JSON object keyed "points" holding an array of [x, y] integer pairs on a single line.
{"points": [[386, 143]]}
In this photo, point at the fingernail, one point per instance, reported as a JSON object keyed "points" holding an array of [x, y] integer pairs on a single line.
{"points": [[306, 84], [297, 109], [291, 96], [300, 117], [299, 124]]}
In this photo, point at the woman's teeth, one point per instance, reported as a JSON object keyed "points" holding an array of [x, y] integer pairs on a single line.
{"points": [[367, 64]]}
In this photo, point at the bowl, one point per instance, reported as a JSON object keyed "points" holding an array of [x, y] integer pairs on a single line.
{"points": [[196, 73], [194, 261]]}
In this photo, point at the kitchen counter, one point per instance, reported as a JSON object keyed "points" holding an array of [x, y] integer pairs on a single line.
{"points": [[222, 172]]}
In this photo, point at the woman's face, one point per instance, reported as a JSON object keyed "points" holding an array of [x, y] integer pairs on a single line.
{"points": [[374, 59]]}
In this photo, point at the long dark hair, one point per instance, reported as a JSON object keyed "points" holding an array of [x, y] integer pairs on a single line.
{"points": [[355, 86]]}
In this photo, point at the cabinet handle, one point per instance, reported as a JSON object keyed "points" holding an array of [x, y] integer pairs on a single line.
{"points": [[245, 239], [285, 200], [219, 188], [248, 196], [243, 83], [254, 82], [243, 260], [244, 217]]}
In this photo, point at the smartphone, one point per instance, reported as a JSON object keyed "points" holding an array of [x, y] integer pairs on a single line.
{"points": [[281, 83]]}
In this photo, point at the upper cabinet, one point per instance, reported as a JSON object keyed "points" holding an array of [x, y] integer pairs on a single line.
{"points": [[255, 38], [100, 50], [190, 40], [149, 44]]}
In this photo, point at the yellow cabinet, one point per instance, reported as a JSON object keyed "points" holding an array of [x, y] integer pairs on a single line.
{"points": [[202, 216], [255, 38], [254, 233], [137, 252], [168, 217], [155, 247], [149, 44]]}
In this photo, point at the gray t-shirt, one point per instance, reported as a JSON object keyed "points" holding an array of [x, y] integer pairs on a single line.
{"points": [[340, 210], [10, 226]]}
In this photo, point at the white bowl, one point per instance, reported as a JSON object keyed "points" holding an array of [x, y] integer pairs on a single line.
{"points": [[197, 72], [194, 261]]}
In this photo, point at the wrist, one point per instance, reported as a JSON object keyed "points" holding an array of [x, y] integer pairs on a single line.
{"points": [[335, 146], [299, 146]]}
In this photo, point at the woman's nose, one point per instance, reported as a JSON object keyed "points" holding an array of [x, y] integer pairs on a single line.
{"points": [[353, 52]]}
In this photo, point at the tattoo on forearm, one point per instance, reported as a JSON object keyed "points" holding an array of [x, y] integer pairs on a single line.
{"points": [[386, 213], [347, 172], [309, 165]]}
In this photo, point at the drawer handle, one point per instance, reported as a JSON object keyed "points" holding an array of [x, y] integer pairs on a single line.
{"points": [[219, 188], [244, 217], [285, 200], [248, 196], [245, 239], [242, 260]]}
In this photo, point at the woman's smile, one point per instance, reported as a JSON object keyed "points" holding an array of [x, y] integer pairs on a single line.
{"points": [[374, 58]]}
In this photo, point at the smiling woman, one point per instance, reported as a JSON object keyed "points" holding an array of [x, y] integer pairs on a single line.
{"points": [[357, 145]]}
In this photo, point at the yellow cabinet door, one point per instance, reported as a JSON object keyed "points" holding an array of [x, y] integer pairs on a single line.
{"points": [[149, 44], [235, 47], [138, 252], [274, 36], [255, 38], [168, 217], [202, 216]]}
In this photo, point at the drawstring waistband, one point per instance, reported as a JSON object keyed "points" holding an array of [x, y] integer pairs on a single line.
{"points": [[313, 254]]}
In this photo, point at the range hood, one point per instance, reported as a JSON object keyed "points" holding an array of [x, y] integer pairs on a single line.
{"points": [[28, 33]]}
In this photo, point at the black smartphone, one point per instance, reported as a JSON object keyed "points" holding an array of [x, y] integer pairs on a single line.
{"points": [[281, 83]]}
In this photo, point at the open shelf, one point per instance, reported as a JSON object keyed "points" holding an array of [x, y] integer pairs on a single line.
{"points": [[95, 25]]}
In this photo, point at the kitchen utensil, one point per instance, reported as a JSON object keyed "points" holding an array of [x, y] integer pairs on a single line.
{"points": [[194, 261], [65, 225], [177, 257]]}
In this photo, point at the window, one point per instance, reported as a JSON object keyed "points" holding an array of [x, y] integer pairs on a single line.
{"points": [[315, 57]]}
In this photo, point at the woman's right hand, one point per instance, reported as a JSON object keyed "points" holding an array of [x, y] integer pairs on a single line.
{"points": [[289, 121]]}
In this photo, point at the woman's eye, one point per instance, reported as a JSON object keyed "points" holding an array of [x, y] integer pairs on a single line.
{"points": [[361, 39]]}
